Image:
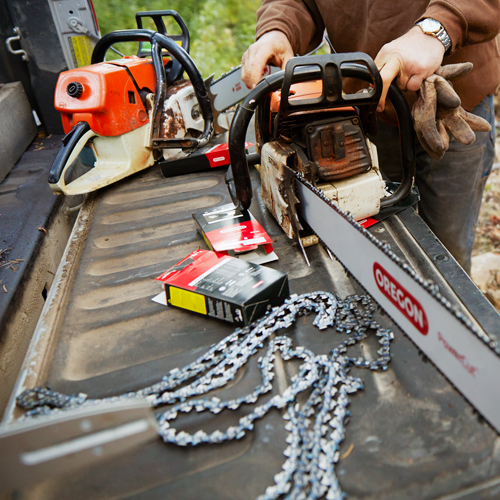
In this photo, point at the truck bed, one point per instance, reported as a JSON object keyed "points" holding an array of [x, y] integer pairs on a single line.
{"points": [[411, 434]]}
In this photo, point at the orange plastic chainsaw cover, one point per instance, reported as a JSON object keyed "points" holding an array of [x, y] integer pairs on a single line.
{"points": [[301, 91], [109, 101]]}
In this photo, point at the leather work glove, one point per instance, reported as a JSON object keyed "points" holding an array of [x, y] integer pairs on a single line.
{"points": [[438, 113]]}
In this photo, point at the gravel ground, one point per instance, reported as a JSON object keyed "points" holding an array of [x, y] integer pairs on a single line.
{"points": [[486, 252]]}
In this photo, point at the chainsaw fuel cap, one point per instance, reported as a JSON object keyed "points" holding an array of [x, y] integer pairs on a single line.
{"points": [[74, 89]]}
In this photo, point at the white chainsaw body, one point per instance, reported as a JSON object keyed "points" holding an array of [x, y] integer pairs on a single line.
{"points": [[359, 195], [117, 157]]}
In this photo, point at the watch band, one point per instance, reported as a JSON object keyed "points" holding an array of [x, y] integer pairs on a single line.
{"points": [[434, 28]]}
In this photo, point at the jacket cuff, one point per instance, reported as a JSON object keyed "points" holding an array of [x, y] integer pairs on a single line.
{"points": [[453, 21], [283, 27]]}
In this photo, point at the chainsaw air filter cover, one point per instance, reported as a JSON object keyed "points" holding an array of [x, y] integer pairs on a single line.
{"points": [[333, 139], [337, 147]]}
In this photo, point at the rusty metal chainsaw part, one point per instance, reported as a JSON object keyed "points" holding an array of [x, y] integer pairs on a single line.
{"points": [[316, 424], [338, 147], [331, 69], [333, 140], [107, 103], [358, 194]]}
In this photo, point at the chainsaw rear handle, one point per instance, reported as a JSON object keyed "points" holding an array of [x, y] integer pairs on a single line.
{"points": [[176, 70], [240, 187], [158, 42], [73, 143]]}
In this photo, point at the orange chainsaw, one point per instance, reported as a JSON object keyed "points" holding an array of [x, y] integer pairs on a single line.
{"points": [[307, 123], [132, 111]]}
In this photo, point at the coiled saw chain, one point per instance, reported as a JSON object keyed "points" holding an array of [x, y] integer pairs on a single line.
{"points": [[316, 427]]}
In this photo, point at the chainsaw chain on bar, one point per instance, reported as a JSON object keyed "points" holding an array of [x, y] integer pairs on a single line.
{"points": [[490, 342], [315, 427]]}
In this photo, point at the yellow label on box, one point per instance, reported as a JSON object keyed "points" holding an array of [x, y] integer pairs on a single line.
{"points": [[187, 300]]}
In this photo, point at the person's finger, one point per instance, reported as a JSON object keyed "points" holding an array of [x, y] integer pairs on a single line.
{"points": [[459, 129], [388, 71], [475, 122], [402, 81], [253, 62], [446, 95], [414, 83], [452, 71], [285, 59], [444, 134]]}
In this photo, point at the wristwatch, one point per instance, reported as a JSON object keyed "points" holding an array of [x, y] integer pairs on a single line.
{"points": [[434, 28]]}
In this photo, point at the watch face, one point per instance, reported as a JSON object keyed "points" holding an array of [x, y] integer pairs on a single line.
{"points": [[430, 25]]}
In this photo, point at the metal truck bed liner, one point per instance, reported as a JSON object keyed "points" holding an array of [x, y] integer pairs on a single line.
{"points": [[411, 434]]}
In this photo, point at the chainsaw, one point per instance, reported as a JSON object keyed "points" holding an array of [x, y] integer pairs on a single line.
{"points": [[311, 135], [323, 137], [123, 116], [133, 111]]}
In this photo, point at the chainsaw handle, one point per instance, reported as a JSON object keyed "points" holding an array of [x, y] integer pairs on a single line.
{"points": [[332, 95], [73, 143], [241, 188], [157, 16], [407, 146], [160, 41], [105, 43]]}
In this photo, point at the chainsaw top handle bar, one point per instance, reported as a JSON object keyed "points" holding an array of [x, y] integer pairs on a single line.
{"points": [[157, 16], [158, 42], [330, 68]]}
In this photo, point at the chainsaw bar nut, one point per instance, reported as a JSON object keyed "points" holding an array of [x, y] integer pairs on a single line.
{"points": [[74, 89]]}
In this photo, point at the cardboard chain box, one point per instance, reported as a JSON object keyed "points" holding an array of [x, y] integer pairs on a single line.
{"points": [[227, 230], [224, 287]]}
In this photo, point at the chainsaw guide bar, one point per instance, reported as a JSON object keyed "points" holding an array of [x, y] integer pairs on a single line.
{"points": [[466, 355]]}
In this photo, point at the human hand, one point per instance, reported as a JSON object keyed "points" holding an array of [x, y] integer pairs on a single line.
{"points": [[438, 113], [272, 47], [411, 58]]}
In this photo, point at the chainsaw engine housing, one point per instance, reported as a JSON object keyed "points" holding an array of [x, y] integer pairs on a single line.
{"points": [[328, 147]]}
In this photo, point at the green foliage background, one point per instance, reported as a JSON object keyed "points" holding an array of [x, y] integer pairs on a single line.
{"points": [[221, 30]]}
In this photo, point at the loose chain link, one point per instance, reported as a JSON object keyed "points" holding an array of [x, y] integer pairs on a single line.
{"points": [[315, 428]]}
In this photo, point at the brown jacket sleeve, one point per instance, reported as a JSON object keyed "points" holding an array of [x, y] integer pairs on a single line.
{"points": [[467, 22], [299, 20]]}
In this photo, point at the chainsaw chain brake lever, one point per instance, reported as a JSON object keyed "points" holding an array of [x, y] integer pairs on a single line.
{"points": [[330, 68], [160, 41]]}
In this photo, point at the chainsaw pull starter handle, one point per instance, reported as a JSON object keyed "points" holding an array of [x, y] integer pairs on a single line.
{"points": [[73, 143], [330, 68]]}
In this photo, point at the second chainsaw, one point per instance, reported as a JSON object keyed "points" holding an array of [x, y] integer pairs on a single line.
{"points": [[132, 111]]}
